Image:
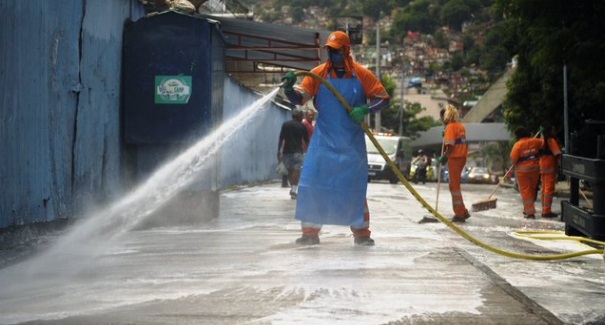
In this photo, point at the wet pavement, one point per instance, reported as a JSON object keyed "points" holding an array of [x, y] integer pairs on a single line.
{"points": [[244, 268]]}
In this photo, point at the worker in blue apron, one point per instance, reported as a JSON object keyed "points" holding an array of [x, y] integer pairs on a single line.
{"points": [[332, 188]]}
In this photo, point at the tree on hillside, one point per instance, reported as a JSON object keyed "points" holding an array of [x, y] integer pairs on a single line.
{"points": [[456, 12], [498, 46], [297, 14], [375, 8], [418, 16], [547, 38], [410, 123], [392, 118], [440, 39]]}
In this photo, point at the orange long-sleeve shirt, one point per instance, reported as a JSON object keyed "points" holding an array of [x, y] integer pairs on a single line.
{"points": [[525, 154], [548, 159], [455, 135], [372, 86]]}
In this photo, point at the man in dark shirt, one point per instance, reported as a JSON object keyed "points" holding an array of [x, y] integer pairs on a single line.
{"points": [[292, 139]]}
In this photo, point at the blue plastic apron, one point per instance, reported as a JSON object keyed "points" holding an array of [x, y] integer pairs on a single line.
{"points": [[333, 184]]}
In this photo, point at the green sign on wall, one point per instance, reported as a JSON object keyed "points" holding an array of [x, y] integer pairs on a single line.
{"points": [[172, 89]]}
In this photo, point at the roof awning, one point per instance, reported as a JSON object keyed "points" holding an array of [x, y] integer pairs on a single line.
{"points": [[259, 53], [475, 132]]}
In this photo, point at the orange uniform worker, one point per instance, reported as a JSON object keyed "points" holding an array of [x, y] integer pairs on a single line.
{"points": [[455, 153], [549, 159], [525, 155]]}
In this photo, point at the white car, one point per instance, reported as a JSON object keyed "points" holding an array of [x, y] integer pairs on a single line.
{"points": [[399, 151]]}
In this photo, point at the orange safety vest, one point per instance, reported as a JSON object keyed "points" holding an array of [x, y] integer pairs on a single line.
{"points": [[549, 157], [525, 154], [372, 86], [455, 135]]}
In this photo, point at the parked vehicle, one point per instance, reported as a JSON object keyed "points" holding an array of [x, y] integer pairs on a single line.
{"points": [[415, 82], [398, 149], [480, 175], [463, 175]]}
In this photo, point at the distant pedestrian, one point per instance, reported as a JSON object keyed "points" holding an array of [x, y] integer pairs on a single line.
{"points": [[421, 163], [455, 153], [525, 155], [309, 123], [292, 138], [284, 181], [549, 162]]}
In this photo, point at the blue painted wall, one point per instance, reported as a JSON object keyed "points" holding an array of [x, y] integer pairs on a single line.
{"points": [[170, 44], [61, 148], [59, 106]]}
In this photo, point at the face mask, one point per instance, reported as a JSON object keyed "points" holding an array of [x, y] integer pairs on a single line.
{"points": [[335, 56]]}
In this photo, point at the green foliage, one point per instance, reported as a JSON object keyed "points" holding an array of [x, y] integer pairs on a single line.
{"points": [[499, 47], [434, 67], [389, 84], [456, 12], [494, 60], [297, 14], [440, 40], [497, 155], [468, 42], [456, 62], [547, 38], [377, 8], [418, 16], [394, 117]]}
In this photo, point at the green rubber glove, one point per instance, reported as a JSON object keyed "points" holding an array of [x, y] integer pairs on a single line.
{"points": [[359, 112], [289, 80], [442, 160]]}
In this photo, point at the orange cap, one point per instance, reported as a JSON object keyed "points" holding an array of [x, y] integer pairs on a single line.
{"points": [[338, 39]]}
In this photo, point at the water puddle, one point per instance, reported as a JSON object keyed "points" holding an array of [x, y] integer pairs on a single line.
{"points": [[95, 234]]}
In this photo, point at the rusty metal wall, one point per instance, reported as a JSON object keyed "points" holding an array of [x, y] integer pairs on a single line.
{"points": [[60, 148]]}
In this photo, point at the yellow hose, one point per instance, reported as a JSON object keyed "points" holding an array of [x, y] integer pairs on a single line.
{"points": [[427, 206], [558, 235]]}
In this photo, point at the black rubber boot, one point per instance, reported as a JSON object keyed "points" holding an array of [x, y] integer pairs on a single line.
{"points": [[549, 215], [364, 241], [308, 240]]}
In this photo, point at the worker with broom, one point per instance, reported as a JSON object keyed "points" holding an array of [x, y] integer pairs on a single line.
{"points": [[525, 156], [454, 154]]}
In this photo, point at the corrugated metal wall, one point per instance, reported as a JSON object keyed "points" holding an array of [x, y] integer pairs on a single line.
{"points": [[59, 106], [251, 155], [60, 117]]}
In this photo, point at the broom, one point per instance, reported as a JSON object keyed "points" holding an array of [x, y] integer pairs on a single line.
{"points": [[490, 203], [430, 218]]}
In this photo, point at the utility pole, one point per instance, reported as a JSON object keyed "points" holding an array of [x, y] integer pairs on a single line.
{"points": [[402, 108], [565, 111], [377, 121]]}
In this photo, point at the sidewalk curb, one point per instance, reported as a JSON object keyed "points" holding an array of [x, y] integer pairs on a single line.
{"points": [[540, 311]]}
